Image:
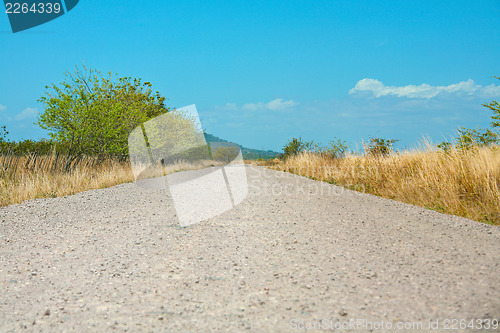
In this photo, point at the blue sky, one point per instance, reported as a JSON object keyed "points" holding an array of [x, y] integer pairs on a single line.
{"points": [[262, 72]]}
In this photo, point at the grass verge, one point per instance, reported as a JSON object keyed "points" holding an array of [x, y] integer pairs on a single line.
{"points": [[33, 177], [49, 176], [464, 183]]}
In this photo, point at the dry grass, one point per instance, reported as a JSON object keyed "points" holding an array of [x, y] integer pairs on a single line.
{"points": [[32, 177], [464, 183], [460, 183]]}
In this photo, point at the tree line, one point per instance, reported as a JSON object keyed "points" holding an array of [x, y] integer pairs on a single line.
{"points": [[91, 113]]}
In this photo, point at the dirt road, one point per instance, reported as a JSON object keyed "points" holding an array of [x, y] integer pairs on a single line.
{"points": [[294, 253]]}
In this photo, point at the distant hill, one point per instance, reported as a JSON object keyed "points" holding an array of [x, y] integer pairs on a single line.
{"points": [[248, 153]]}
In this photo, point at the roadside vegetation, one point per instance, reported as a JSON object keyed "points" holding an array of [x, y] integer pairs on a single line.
{"points": [[464, 183], [90, 115], [48, 176], [461, 177]]}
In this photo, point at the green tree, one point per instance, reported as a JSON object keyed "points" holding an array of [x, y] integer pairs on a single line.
{"points": [[495, 107], [91, 113], [469, 138], [380, 147]]}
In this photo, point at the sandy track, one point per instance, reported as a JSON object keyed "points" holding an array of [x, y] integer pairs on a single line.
{"points": [[295, 251]]}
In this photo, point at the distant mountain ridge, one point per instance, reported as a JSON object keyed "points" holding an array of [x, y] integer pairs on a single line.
{"points": [[248, 153]]}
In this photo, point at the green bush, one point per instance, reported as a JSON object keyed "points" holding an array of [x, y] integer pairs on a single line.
{"points": [[337, 148], [380, 147], [93, 114], [469, 138], [296, 146], [445, 146]]}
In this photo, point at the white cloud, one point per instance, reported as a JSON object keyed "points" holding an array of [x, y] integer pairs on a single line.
{"points": [[28, 113], [2, 107], [469, 87], [230, 106], [274, 105]]}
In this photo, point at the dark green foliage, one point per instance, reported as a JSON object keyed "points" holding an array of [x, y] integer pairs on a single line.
{"points": [[3, 133], [296, 146], [255, 154], [445, 146], [212, 138], [41, 147], [93, 114], [380, 147]]}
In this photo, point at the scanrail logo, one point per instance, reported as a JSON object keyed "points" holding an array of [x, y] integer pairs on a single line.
{"points": [[26, 14], [213, 178]]}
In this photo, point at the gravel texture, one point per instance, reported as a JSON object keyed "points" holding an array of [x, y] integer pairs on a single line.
{"points": [[295, 251]]}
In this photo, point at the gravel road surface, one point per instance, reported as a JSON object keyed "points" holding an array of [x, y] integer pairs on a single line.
{"points": [[293, 253]]}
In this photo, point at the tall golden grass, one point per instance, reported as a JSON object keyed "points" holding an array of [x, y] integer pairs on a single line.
{"points": [[31, 177], [49, 176], [464, 183]]}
